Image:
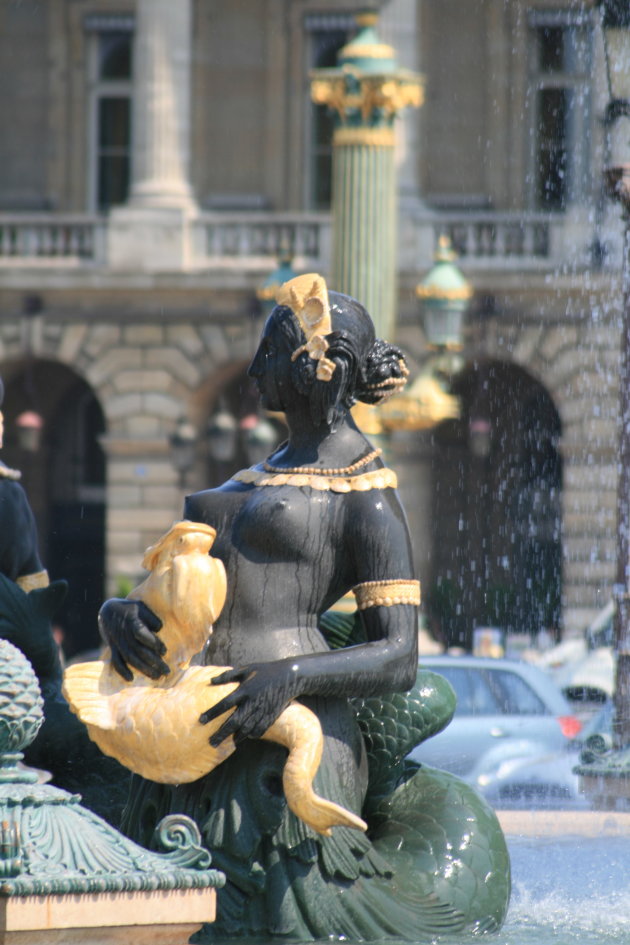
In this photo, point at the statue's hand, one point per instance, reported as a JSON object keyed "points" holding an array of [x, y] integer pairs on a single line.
{"points": [[264, 691], [130, 629]]}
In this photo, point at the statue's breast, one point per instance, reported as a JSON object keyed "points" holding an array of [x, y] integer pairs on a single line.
{"points": [[284, 523]]}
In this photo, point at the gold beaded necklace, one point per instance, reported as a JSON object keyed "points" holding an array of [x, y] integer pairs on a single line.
{"points": [[319, 471]]}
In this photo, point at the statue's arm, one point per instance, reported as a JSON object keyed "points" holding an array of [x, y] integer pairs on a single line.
{"points": [[377, 542], [131, 629], [19, 554], [378, 547]]}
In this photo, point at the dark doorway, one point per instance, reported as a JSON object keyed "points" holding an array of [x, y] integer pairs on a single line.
{"points": [[65, 482], [497, 497]]}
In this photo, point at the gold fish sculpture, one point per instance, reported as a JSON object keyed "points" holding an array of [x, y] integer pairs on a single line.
{"points": [[152, 726]]}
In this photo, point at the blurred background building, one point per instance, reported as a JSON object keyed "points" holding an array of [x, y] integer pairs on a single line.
{"points": [[158, 160]]}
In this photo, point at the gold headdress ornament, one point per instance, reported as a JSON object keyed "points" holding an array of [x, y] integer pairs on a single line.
{"points": [[307, 297]]}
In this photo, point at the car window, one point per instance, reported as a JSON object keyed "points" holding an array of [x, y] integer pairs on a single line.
{"points": [[514, 696], [474, 696]]}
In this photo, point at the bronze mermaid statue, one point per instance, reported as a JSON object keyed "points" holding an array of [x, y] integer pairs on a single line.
{"points": [[320, 517], [152, 726]]}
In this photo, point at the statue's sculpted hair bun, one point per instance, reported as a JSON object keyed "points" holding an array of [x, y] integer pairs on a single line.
{"points": [[363, 368], [383, 373]]}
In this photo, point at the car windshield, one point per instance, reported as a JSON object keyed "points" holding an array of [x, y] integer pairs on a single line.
{"points": [[492, 692]]}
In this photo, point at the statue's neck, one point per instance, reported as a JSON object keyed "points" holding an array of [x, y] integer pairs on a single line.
{"points": [[308, 445]]}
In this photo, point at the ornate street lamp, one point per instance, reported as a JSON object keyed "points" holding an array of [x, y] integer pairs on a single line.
{"points": [[252, 434], [609, 776], [222, 435], [227, 438], [480, 437], [183, 444], [445, 295], [29, 430], [259, 437]]}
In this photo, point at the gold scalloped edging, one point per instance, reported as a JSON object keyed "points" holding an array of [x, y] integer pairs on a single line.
{"points": [[461, 293], [381, 137], [367, 51], [7, 473], [377, 479], [314, 471], [387, 593], [29, 582]]}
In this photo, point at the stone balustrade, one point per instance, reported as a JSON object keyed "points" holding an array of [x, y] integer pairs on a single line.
{"points": [[34, 239], [233, 239], [488, 240], [497, 239]]}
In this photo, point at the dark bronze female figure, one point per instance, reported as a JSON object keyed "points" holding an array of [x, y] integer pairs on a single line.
{"points": [[321, 517]]}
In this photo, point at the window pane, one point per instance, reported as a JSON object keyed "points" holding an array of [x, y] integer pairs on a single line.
{"points": [[551, 53], [114, 55], [113, 123], [113, 180], [323, 131], [563, 49], [514, 695], [473, 694], [552, 157], [326, 46]]}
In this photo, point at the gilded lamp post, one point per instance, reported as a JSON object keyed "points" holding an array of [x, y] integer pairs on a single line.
{"points": [[366, 91]]}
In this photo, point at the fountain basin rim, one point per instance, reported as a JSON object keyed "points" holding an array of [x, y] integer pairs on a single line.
{"points": [[564, 823]]}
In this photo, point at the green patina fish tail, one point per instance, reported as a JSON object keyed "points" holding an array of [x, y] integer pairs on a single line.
{"points": [[444, 842], [433, 862]]}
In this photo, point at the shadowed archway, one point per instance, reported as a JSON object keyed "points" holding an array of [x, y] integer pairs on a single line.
{"points": [[65, 483], [497, 501]]}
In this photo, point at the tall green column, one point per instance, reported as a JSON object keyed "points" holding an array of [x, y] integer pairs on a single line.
{"points": [[366, 90]]}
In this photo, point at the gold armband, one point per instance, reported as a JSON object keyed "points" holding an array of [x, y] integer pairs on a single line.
{"points": [[28, 582], [387, 593]]}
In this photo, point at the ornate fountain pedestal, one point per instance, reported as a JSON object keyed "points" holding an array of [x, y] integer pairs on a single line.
{"points": [[66, 875], [88, 920], [605, 777]]}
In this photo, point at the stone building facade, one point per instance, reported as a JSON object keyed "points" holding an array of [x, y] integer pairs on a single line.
{"points": [[161, 154]]}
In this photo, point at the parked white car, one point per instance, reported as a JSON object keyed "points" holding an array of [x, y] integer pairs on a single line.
{"points": [[507, 711]]}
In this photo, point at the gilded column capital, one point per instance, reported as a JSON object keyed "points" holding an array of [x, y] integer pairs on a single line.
{"points": [[366, 99], [379, 137], [366, 87]]}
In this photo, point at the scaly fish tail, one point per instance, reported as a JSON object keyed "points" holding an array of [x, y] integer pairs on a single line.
{"points": [[298, 729]]}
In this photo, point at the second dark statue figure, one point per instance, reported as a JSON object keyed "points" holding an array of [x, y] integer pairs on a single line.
{"points": [[321, 517]]}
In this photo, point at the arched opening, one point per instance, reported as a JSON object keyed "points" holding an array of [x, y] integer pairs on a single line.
{"points": [[65, 482], [231, 398], [497, 557]]}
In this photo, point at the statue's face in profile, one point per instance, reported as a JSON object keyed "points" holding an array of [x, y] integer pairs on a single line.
{"points": [[271, 368]]}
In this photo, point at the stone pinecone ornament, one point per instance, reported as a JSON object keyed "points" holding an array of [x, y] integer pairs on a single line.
{"points": [[21, 703], [50, 845]]}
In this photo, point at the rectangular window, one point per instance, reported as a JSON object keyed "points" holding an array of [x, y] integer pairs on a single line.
{"points": [[560, 68], [328, 33], [111, 71], [552, 151], [114, 127]]}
